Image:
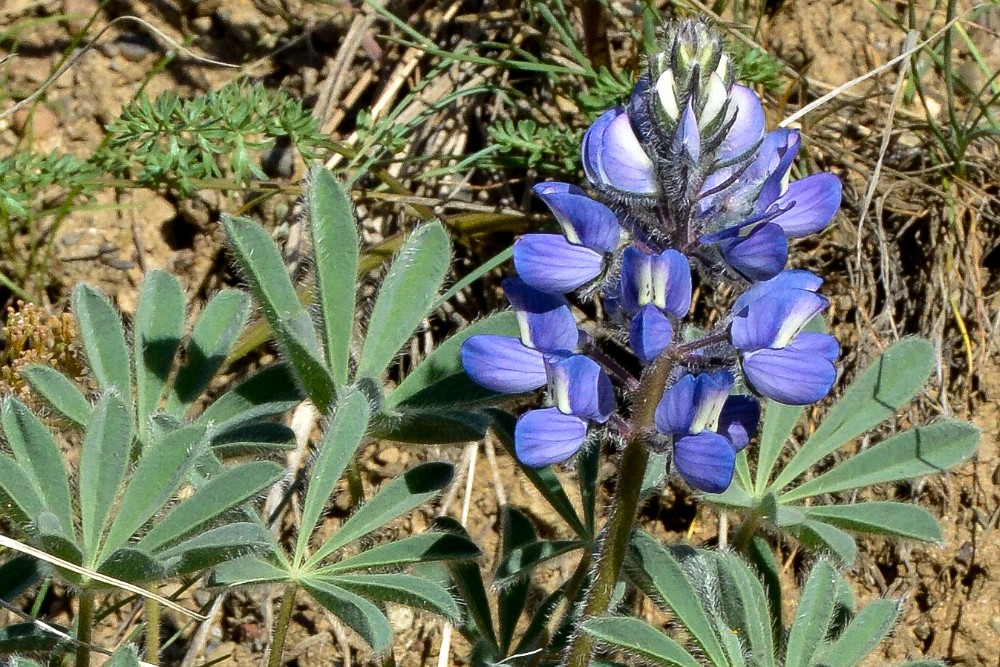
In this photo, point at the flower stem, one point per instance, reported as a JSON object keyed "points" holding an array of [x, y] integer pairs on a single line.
{"points": [[152, 614], [746, 531], [84, 627], [281, 626], [631, 471]]}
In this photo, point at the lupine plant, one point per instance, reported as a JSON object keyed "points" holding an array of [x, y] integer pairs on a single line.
{"points": [[687, 190], [687, 194]]}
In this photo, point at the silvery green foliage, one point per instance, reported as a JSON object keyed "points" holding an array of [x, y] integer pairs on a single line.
{"points": [[436, 402], [774, 493], [117, 510], [732, 619], [351, 582], [345, 380]]}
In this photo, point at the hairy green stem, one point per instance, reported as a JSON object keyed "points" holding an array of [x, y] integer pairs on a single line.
{"points": [[84, 627], [152, 631], [746, 531], [631, 472], [281, 626]]}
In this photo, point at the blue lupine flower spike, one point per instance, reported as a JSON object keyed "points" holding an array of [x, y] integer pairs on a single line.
{"points": [[685, 172]]}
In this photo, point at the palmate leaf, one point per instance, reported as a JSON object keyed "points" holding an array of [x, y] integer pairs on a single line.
{"points": [[354, 611], [103, 339], [343, 436], [59, 392], [638, 638], [335, 252], [157, 331], [405, 297], [215, 332], [411, 489], [261, 265], [39, 458]]}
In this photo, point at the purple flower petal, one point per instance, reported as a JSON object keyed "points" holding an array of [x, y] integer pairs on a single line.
{"points": [[579, 386], [706, 461], [550, 263], [775, 318], [663, 280], [584, 221], [592, 147], [676, 410], [790, 376], [775, 157], [790, 279], [544, 437], [817, 343], [739, 419], [650, 333], [748, 123], [815, 200], [503, 364], [759, 255], [545, 320], [626, 164], [613, 156]]}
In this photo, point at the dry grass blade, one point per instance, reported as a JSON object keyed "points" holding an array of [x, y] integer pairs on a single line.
{"points": [[96, 576], [839, 90]]}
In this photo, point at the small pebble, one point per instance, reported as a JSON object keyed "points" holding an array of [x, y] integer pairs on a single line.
{"points": [[133, 48], [202, 24], [40, 123]]}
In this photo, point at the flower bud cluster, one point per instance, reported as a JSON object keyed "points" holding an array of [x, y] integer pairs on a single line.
{"points": [[683, 178]]}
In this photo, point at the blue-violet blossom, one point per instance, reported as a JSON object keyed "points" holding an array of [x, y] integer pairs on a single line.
{"points": [[689, 188]]}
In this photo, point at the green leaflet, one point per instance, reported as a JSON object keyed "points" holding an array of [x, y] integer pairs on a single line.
{"points": [[335, 252], [405, 298]]}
